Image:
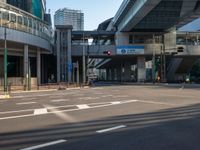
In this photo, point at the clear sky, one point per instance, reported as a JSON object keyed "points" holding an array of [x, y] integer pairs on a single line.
{"points": [[95, 11]]}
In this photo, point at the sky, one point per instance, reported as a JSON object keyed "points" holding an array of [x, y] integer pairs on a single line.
{"points": [[95, 11]]}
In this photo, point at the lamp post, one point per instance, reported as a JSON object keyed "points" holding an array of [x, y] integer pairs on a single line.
{"points": [[6, 59]]}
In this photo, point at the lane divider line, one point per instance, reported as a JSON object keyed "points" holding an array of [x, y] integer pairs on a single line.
{"points": [[59, 100], [45, 145], [111, 129], [25, 103], [116, 103], [158, 103]]}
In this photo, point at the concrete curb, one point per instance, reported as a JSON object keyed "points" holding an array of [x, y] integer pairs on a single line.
{"points": [[37, 91]]}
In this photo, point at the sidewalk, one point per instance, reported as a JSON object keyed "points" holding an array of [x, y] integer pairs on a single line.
{"points": [[43, 88]]}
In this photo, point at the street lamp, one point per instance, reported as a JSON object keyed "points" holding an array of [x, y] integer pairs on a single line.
{"points": [[6, 59]]}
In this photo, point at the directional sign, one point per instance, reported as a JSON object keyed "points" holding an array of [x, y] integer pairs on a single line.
{"points": [[130, 50]]}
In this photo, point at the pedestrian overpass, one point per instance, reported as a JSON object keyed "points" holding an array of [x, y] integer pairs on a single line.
{"points": [[141, 31]]}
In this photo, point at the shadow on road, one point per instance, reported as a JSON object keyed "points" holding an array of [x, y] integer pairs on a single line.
{"points": [[170, 129]]}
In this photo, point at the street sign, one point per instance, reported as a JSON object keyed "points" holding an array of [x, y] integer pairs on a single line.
{"points": [[130, 50]]}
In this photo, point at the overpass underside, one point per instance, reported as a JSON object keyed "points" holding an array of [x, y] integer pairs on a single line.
{"points": [[158, 15], [139, 68]]}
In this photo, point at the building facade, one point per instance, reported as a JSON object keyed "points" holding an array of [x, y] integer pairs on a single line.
{"points": [[28, 42], [35, 7], [71, 17]]}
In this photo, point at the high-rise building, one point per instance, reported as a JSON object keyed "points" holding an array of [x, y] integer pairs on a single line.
{"points": [[67, 16]]}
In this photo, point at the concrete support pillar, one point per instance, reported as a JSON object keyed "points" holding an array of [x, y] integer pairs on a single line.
{"points": [[107, 73], [69, 56], [119, 73], [141, 71], [58, 55], [127, 69], [26, 67], [112, 74], [38, 66]]}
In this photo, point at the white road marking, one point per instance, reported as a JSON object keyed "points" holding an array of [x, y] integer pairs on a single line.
{"points": [[128, 101], [88, 98], [40, 111], [120, 96], [84, 106], [59, 100], [98, 105], [15, 117], [28, 99], [111, 129], [116, 103], [107, 96], [16, 111], [158, 103], [45, 145], [26, 103]]}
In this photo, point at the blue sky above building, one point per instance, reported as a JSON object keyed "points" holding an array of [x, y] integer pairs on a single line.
{"points": [[193, 26], [95, 11]]}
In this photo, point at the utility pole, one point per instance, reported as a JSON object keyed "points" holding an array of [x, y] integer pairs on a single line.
{"points": [[88, 67], [83, 53], [77, 73], [5, 62], [164, 61], [153, 62]]}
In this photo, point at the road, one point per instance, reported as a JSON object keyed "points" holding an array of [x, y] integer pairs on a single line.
{"points": [[102, 118]]}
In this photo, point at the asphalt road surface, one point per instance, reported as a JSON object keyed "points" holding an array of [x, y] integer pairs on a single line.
{"points": [[102, 118]]}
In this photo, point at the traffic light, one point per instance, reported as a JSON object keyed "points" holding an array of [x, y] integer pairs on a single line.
{"points": [[180, 49], [107, 52]]}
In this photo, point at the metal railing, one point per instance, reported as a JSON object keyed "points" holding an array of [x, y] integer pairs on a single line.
{"points": [[24, 21]]}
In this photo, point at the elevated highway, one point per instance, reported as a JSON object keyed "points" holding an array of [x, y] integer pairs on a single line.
{"points": [[155, 14]]}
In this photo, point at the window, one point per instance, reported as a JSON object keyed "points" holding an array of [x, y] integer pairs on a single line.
{"points": [[130, 39], [13, 17], [19, 19], [25, 21], [34, 25], [30, 22], [5, 16]]}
